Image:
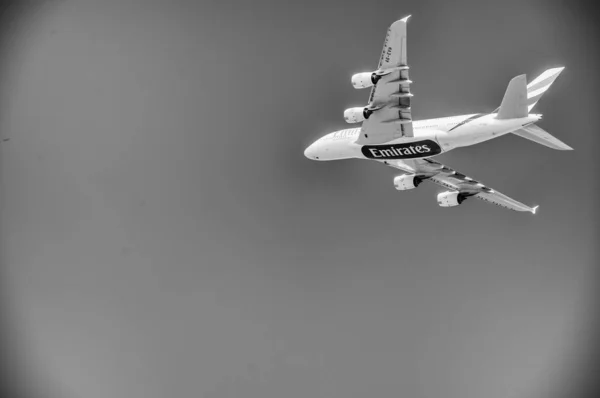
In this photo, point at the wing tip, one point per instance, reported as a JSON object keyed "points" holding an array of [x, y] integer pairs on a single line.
{"points": [[405, 18], [534, 209], [566, 147]]}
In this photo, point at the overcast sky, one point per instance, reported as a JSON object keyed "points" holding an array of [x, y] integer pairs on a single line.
{"points": [[164, 236]]}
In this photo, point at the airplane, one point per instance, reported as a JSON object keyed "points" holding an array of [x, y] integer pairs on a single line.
{"points": [[389, 135]]}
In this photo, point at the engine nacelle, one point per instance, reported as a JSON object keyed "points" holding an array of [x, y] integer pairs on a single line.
{"points": [[364, 79], [450, 198], [356, 115], [407, 181]]}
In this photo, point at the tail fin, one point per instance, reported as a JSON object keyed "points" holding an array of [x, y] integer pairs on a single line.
{"points": [[540, 85], [514, 103], [539, 135]]}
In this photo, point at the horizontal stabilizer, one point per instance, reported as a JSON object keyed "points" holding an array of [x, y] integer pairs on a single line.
{"points": [[539, 135], [514, 103]]}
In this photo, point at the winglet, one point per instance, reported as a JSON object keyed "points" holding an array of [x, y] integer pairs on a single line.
{"points": [[405, 19], [533, 210]]}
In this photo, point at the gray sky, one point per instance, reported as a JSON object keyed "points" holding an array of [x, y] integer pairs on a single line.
{"points": [[163, 235]]}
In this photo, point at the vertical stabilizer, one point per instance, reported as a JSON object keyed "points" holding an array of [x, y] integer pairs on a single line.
{"points": [[540, 85], [514, 103]]}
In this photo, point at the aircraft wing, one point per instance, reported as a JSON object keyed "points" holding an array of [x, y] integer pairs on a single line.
{"points": [[455, 181], [390, 96]]}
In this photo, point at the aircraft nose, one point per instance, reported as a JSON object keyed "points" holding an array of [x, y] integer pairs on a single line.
{"points": [[309, 152]]}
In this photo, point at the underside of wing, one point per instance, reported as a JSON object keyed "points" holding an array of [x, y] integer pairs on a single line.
{"points": [[389, 115], [461, 186]]}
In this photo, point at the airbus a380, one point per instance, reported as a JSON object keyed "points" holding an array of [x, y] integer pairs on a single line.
{"points": [[390, 136]]}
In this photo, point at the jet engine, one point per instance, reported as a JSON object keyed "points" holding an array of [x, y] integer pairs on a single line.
{"points": [[356, 115], [364, 79], [450, 198], [407, 181]]}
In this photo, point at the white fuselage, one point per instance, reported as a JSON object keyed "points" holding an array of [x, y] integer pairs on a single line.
{"points": [[431, 137]]}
